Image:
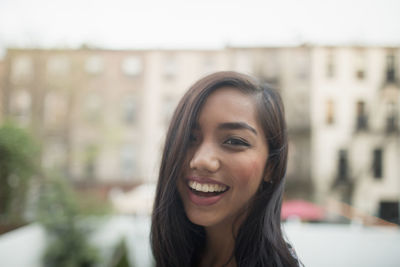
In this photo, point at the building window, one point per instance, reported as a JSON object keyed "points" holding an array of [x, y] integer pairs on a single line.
{"points": [[170, 67], [208, 64], [92, 106], [302, 66], [169, 105], [244, 63], [377, 166], [390, 68], [267, 68], [360, 65], [58, 65], [55, 109], [330, 110], [330, 65], [21, 68], [21, 103], [94, 65], [389, 211], [129, 109], [128, 162], [91, 153], [131, 66], [343, 174], [54, 155], [362, 118], [391, 118]]}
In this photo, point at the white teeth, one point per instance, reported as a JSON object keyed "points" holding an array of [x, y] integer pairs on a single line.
{"points": [[198, 187], [211, 188], [206, 187]]}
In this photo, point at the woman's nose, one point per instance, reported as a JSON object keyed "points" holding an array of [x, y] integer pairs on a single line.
{"points": [[205, 159]]}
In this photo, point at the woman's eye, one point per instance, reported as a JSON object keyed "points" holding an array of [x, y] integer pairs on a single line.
{"points": [[236, 142]]}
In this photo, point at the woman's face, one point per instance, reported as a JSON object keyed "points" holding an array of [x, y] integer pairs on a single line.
{"points": [[225, 161]]}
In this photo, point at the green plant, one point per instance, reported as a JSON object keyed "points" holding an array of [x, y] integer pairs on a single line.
{"points": [[120, 255], [67, 232], [92, 203], [18, 155]]}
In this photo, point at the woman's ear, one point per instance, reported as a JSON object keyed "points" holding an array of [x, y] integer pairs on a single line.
{"points": [[267, 174], [268, 180]]}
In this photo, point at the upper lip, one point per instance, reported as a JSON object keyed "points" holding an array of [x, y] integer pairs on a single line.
{"points": [[202, 179]]}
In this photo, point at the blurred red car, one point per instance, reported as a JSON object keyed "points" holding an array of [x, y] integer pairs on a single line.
{"points": [[303, 210]]}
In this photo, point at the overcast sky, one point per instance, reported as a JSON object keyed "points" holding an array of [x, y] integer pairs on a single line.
{"points": [[197, 23]]}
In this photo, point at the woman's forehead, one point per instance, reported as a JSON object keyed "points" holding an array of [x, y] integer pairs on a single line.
{"points": [[228, 106]]}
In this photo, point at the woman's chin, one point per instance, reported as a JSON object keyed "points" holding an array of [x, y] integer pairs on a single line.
{"points": [[201, 220]]}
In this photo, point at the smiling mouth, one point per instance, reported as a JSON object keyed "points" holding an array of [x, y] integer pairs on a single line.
{"points": [[207, 189]]}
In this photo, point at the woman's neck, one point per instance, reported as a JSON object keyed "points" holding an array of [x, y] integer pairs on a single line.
{"points": [[219, 247], [220, 242]]}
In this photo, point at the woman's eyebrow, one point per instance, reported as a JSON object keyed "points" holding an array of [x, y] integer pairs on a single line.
{"points": [[236, 126]]}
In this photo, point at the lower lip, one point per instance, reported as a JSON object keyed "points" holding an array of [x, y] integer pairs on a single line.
{"points": [[203, 201]]}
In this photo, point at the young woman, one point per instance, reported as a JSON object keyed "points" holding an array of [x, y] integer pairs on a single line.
{"points": [[221, 179]]}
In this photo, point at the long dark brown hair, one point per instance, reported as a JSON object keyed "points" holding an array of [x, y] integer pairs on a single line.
{"points": [[177, 242]]}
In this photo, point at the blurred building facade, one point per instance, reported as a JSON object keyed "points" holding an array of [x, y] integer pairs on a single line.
{"points": [[102, 114], [355, 127]]}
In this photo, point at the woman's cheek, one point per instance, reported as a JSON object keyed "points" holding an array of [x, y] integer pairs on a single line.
{"points": [[249, 171]]}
